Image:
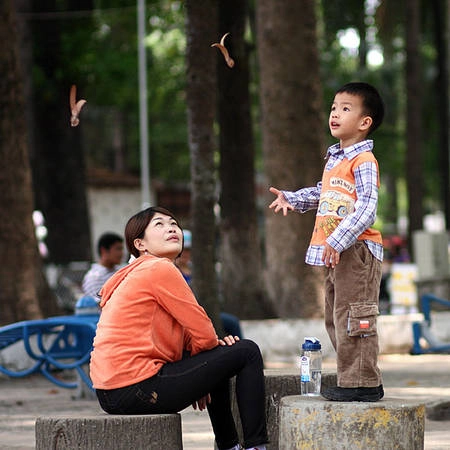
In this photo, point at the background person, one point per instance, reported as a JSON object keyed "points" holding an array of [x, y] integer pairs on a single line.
{"points": [[156, 350], [110, 252]]}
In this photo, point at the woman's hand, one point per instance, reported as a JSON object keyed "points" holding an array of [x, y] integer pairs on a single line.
{"points": [[228, 340], [201, 403]]}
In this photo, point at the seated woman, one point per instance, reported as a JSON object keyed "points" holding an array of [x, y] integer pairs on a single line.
{"points": [[156, 350]]}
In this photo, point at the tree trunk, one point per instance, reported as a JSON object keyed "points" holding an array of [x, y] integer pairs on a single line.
{"points": [[201, 32], [442, 100], [414, 163], [57, 157], [292, 124], [241, 274], [22, 283]]}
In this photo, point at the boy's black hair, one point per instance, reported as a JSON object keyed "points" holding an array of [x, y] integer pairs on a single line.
{"points": [[106, 240], [372, 102]]}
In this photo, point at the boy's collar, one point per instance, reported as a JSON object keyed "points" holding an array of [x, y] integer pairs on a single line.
{"points": [[352, 150]]}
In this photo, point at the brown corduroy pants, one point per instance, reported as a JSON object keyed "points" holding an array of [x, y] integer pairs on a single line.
{"points": [[351, 309]]}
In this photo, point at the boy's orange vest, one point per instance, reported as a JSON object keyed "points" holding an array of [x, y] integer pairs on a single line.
{"points": [[337, 199]]}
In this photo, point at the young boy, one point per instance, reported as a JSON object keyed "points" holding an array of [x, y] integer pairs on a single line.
{"points": [[344, 242]]}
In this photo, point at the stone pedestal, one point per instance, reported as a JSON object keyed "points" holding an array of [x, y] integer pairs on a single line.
{"points": [[277, 385], [149, 432], [314, 423]]}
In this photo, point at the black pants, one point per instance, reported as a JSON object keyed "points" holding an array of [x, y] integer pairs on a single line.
{"points": [[177, 385]]}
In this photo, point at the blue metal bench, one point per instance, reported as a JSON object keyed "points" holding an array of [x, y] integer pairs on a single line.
{"points": [[422, 332], [54, 344]]}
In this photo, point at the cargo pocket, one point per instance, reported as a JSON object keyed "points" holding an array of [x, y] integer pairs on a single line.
{"points": [[362, 320]]}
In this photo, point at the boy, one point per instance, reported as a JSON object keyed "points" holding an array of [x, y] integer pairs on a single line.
{"points": [[344, 242]]}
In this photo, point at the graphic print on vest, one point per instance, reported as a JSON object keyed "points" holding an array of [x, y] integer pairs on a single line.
{"points": [[334, 205]]}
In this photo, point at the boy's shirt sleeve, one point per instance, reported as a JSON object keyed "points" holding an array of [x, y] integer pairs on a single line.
{"points": [[364, 215], [304, 199]]}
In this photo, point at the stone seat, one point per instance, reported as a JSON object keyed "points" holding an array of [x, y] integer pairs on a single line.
{"points": [[317, 424], [104, 431]]}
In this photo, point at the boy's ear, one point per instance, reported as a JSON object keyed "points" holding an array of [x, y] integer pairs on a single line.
{"points": [[366, 122]]}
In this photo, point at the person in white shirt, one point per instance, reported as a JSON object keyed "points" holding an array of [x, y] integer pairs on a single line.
{"points": [[110, 251]]}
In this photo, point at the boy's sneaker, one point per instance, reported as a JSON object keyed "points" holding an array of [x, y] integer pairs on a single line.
{"points": [[360, 394]]}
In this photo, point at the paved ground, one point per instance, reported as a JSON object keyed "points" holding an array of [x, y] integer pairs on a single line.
{"points": [[425, 378]]}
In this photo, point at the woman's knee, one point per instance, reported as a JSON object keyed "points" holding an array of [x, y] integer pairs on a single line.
{"points": [[252, 348]]}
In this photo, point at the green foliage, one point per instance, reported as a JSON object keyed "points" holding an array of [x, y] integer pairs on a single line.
{"points": [[100, 56], [110, 66], [340, 66]]}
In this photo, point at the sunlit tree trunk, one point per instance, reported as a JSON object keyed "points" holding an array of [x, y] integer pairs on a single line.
{"points": [[293, 129], [201, 31], [22, 285]]}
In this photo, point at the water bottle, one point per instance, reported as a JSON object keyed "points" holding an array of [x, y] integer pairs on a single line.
{"points": [[311, 366]]}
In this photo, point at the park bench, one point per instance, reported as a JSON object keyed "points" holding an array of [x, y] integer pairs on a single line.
{"points": [[423, 339], [54, 344]]}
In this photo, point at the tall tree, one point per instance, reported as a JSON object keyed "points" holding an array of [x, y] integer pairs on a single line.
{"points": [[24, 293], [57, 153], [441, 36], [241, 275], [201, 31], [414, 160], [292, 130]]}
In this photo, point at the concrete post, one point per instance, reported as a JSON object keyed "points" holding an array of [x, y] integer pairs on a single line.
{"points": [[317, 424], [278, 384], [149, 432]]}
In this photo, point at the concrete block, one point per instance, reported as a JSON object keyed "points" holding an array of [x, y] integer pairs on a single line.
{"points": [[278, 385], [318, 424], [100, 432]]}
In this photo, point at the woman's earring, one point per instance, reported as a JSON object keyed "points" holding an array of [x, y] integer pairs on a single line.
{"points": [[145, 252]]}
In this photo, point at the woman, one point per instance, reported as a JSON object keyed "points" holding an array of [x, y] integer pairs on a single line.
{"points": [[156, 350]]}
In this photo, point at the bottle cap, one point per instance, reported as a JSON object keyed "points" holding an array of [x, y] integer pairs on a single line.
{"points": [[311, 343]]}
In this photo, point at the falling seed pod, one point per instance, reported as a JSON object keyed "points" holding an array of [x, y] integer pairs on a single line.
{"points": [[223, 49], [75, 106]]}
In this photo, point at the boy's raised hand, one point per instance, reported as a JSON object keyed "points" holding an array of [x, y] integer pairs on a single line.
{"points": [[280, 202]]}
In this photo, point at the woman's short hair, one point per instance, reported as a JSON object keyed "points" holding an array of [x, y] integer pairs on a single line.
{"points": [[136, 225]]}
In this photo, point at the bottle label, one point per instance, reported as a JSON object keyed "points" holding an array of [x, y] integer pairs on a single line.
{"points": [[304, 369]]}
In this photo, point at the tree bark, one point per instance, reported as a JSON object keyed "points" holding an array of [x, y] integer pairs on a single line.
{"points": [[57, 155], [24, 292], [442, 34], [241, 274], [201, 32], [292, 130], [414, 160]]}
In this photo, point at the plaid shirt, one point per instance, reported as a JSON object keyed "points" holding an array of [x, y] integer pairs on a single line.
{"points": [[366, 183]]}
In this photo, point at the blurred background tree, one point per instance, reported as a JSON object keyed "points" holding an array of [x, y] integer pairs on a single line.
{"points": [[92, 43], [57, 151], [293, 142], [24, 291], [201, 26], [241, 275]]}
